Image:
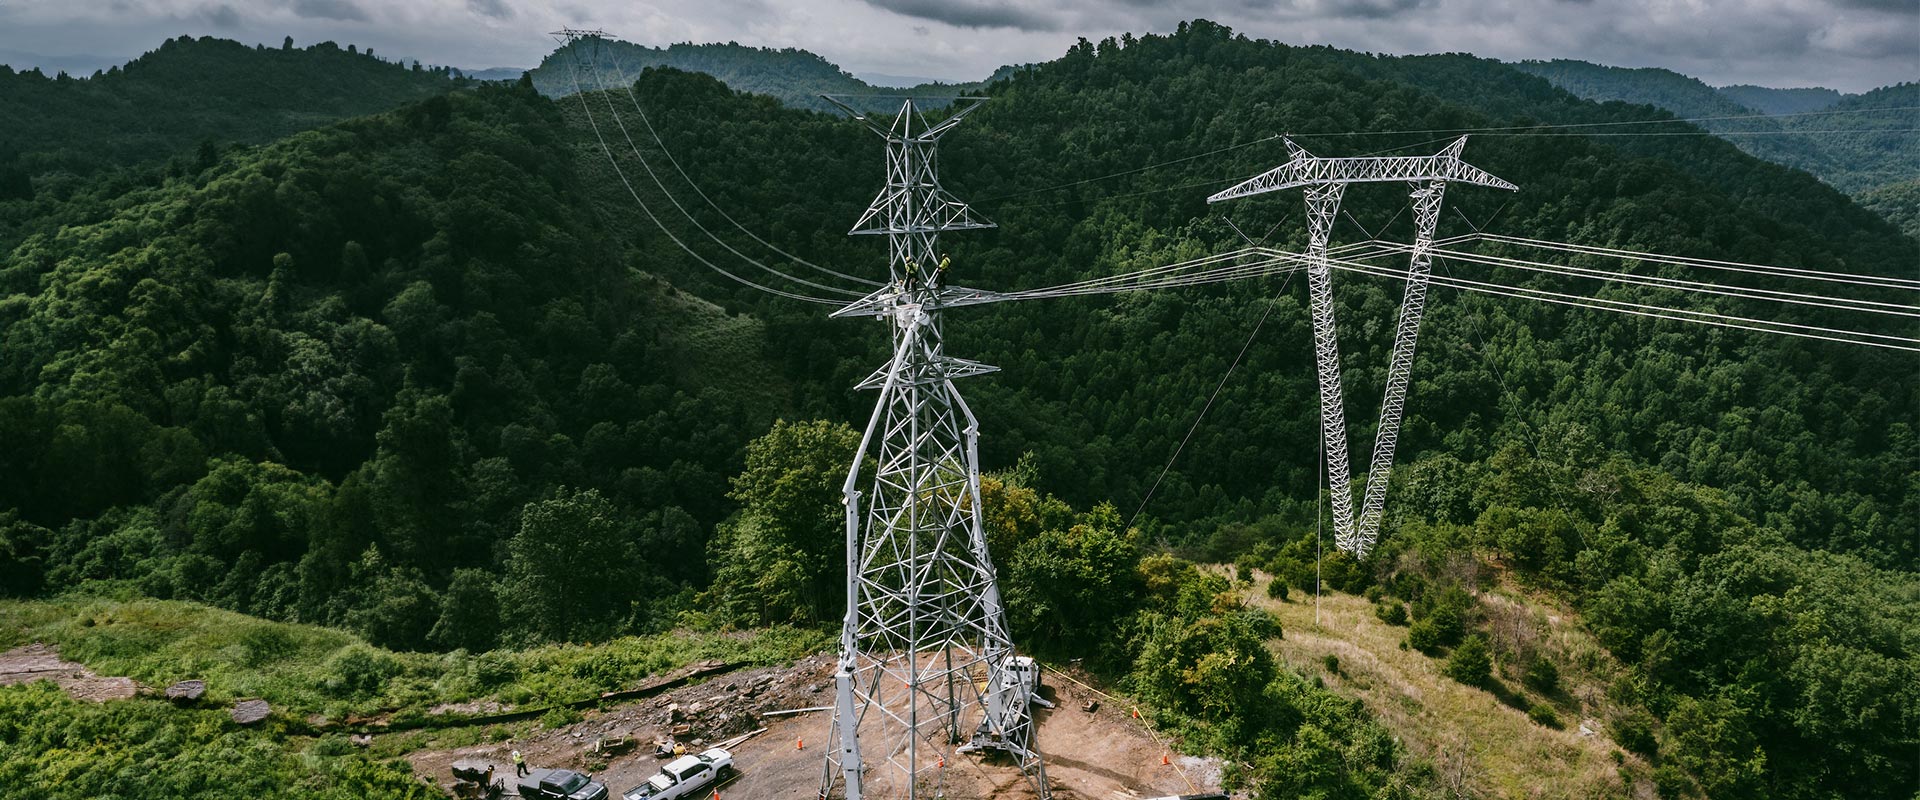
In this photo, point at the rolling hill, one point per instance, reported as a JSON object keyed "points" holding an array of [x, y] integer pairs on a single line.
{"points": [[1856, 163], [190, 91]]}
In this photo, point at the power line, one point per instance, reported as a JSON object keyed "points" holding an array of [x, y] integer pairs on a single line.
{"points": [[1647, 310], [1773, 295], [574, 76], [1707, 263], [1135, 171], [1707, 133], [1613, 123], [595, 66], [1210, 398], [631, 96]]}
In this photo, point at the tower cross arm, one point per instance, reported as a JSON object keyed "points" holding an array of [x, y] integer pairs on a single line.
{"points": [[1306, 169]]}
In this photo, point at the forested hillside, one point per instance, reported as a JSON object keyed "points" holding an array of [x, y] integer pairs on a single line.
{"points": [[1855, 163], [1767, 100], [190, 91], [433, 376]]}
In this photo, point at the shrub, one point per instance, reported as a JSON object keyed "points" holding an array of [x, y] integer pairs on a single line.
{"points": [[358, 671], [1470, 663], [1424, 637], [1634, 731], [1277, 589], [494, 669], [1332, 663], [1672, 782], [1446, 622], [1541, 675], [1243, 570], [331, 745], [1542, 714], [1391, 612], [560, 717]]}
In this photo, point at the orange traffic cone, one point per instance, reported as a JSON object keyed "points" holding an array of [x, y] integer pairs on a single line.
{"points": [[1163, 760], [1136, 712], [799, 744]]}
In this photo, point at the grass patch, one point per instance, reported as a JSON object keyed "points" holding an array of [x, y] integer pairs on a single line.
{"points": [[305, 669], [1467, 734], [56, 748]]}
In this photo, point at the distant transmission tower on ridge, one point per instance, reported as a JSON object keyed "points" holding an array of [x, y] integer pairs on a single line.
{"points": [[927, 670]]}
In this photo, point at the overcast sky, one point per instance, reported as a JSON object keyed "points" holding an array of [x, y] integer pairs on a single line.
{"points": [[1850, 45]]}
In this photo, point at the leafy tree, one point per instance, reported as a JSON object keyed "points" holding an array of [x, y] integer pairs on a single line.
{"points": [[1068, 591], [1215, 668], [469, 613], [568, 569], [786, 550], [21, 562]]}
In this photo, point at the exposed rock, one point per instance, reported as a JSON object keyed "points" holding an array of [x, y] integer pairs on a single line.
{"points": [[186, 692], [37, 661], [249, 712]]}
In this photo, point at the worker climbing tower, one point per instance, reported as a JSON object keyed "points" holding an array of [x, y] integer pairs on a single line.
{"points": [[1325, 180], [927, 670]]}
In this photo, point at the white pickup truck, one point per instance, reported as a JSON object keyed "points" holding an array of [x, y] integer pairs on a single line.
{"points": [[684, 776]]}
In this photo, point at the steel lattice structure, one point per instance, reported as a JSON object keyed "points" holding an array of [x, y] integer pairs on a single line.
{"points": [[1325, 181], [924, 649]]}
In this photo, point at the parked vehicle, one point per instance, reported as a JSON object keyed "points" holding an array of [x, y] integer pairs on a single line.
{"points": [[684, 777], [561, 784]]}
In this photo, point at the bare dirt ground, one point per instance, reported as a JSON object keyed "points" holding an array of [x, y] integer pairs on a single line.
{"points": [[1104, 754], [35, 662]]}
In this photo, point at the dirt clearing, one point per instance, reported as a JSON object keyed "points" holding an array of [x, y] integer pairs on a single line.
{"points": [[1102, 754], [35, 662]]}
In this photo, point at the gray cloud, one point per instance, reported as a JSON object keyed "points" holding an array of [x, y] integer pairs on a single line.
{"points": [[222, 16], [1361, 9], [972, 13], [492, 8], [1851, 45], [1902, 6], [343, 10]]}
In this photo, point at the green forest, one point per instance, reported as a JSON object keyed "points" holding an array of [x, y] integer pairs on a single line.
{"points": [[1857, 142], [421, 372]]}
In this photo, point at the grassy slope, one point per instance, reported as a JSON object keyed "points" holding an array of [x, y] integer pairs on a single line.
{"points": [[306, 669], [1477, 741]]}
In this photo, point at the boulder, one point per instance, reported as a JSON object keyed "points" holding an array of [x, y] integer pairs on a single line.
{"points": [[250, 712], [186, 692]]}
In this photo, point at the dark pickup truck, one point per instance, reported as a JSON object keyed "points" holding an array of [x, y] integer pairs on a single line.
{"points": [[561, 784]]}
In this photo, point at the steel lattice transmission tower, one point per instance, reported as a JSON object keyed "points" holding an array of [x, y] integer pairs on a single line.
{"points": [[927, 670], [1325, 181]]}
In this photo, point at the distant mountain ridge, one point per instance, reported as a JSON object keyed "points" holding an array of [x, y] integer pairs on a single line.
{"points": [[793, 76], [192, 90], [1782, 101], [1855, 163]]}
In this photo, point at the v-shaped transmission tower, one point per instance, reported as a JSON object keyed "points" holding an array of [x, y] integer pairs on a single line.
{"points": [[927, 669], [1325, 181]]}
